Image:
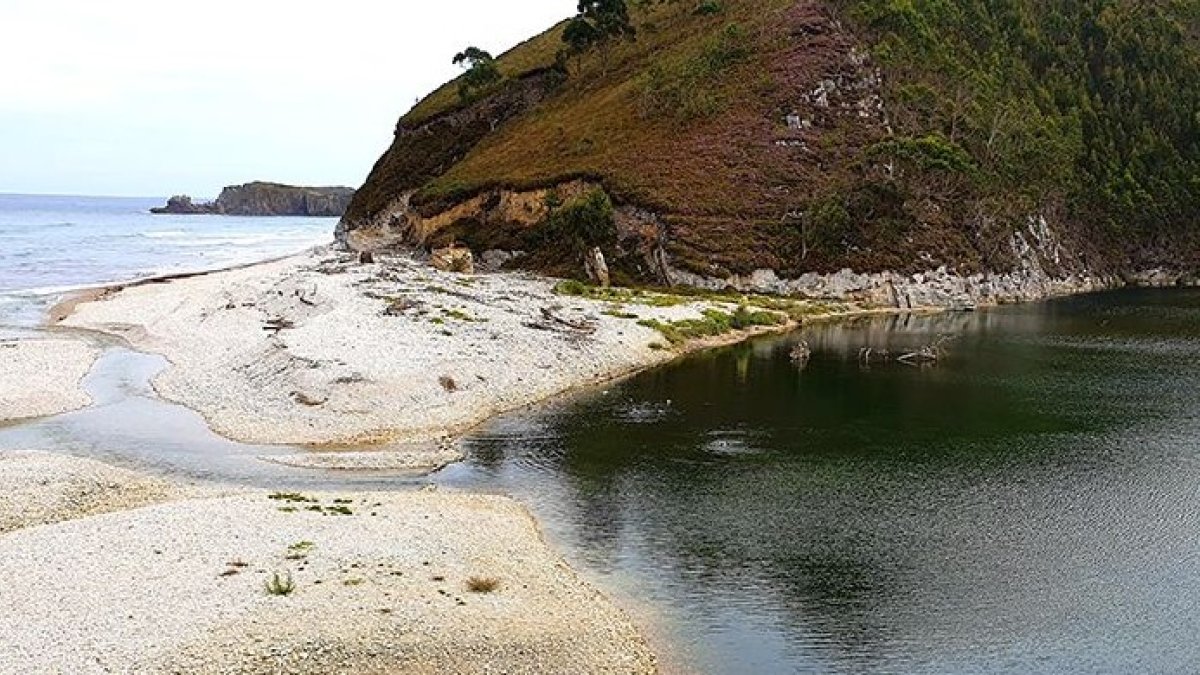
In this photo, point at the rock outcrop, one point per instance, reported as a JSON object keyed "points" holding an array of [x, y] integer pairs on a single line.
{"points": [[267, 199]]}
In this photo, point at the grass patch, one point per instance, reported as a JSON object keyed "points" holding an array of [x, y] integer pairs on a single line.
{"points": [[299, 550], [291, 497], [628, 296], [280, 584], [460, 315], [713, 323], [618, 313]]}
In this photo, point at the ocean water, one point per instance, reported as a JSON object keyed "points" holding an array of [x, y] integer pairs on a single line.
{"points": [[53, 244]]}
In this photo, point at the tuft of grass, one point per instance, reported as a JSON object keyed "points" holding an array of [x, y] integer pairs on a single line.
{"points": [[459, 315], [291, 497], [299, 550], [618, 313], [483, 584], [280, 584]]}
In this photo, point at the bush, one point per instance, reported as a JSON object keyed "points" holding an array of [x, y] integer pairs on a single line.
{"points": [[582, 223]]}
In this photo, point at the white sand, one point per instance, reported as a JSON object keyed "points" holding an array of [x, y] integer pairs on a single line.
{"points": [[381, 590], [41, 377], [41, 488], [307, 351]]}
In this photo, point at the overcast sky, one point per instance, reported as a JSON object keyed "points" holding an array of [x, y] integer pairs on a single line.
{"points": [[157, 97]]}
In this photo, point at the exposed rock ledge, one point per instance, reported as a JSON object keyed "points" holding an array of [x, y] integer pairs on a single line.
{"points": [[266, 199], [1045, 265]]}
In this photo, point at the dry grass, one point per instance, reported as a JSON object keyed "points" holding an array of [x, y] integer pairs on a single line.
{"points": [[483, 584], [532, 54]]}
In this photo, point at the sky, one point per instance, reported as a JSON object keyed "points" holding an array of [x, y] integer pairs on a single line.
{"points": [[159, 97]]}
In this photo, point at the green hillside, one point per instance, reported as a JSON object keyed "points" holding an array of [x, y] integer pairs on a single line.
{"points": [[812, 135]]}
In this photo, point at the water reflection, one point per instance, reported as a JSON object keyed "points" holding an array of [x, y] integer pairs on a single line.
{"points": [[1028, 505]]}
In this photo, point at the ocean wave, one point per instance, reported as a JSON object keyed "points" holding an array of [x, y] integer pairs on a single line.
{"points": [[165, 234]]}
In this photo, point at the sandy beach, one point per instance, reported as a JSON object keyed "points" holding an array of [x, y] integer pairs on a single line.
{"points": [[41, 377], [319, 349], [173, 578]]}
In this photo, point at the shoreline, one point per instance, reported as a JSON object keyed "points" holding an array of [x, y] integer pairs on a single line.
{"points": [[270, 280], [313, 315], [132, 330], [71, 299]]}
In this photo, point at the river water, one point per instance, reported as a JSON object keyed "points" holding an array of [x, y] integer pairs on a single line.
{"points": [[1031, 503]]}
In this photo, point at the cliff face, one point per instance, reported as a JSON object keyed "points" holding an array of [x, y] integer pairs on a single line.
{"points": [[268, 199], [771, 144]]}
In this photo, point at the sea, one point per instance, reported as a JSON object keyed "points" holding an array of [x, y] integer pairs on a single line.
{"points": [[51, 245]]}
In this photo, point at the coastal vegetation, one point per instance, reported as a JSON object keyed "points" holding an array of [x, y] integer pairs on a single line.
{"points": [[280, 584], [713, 323], [810, 136]]}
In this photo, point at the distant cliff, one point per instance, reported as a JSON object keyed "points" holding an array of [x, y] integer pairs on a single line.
{"points": [[266, 199]]}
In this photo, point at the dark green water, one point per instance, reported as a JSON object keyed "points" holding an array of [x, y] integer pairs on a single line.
{"points": [[1030, 504]]}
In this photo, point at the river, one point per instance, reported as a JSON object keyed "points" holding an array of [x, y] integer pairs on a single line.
{"points": [[1029, 504]]}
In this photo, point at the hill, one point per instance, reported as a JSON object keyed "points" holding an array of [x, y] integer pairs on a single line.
{"points": [[266, 199], [756, 143]]}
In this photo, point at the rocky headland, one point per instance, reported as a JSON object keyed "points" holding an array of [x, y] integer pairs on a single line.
{"points": [[266, 199], [815, 148]]}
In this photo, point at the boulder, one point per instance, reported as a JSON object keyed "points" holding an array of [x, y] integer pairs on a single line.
{"points": [[453, 259]]}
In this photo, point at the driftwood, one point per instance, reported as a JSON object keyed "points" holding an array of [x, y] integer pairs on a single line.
{"points": [[278, 324], [305, 295], [926, 355], [552, 321], [801, 353]]}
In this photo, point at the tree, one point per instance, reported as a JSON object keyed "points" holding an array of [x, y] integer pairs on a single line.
{"points": [[481, 71], [597, 22]]}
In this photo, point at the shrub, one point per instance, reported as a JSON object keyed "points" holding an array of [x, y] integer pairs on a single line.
{"points": [[280, 584], [582, 223]]}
